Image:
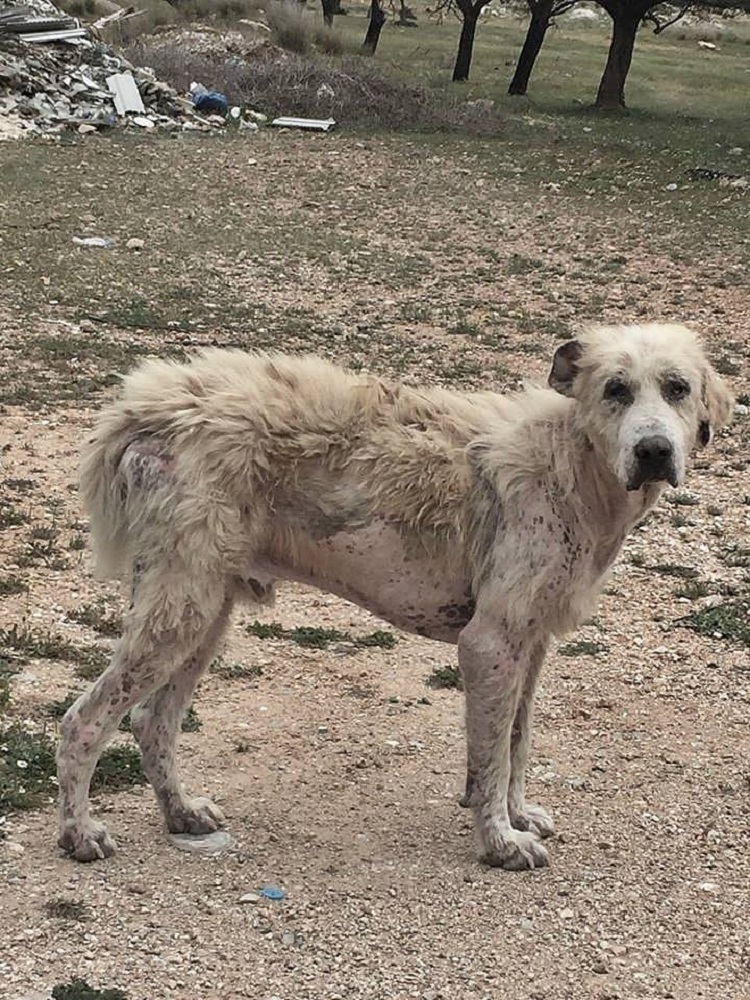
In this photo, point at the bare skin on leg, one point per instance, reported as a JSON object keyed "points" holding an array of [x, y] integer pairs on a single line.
{"points": [[156, 726]]}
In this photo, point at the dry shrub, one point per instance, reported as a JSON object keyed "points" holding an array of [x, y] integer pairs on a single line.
{"points": [[286, 83], [290, 26], [219, 11]]}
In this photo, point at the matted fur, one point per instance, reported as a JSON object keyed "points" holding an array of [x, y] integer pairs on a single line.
{"points": [[474, 518]]}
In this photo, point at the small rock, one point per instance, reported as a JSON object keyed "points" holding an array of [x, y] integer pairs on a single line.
{"points": [[671, 187], [567, 914], [135, 244], [250, 897], [14, 848]]}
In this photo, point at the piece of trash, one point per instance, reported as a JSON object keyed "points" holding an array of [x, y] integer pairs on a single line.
{"points": [[318, 124], [208, 100], [135, 244], [671, 187], [271, 892], [707, 45], [94, 241], [143, 122], [324, 90], [203, 843], [257, 116], [127, 96]]}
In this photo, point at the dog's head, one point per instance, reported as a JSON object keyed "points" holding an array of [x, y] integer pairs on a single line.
{"points": [[647, 397]]}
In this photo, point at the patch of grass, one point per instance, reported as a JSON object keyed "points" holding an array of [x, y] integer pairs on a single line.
{"points": [[191, 723], [79, 989], [98, 617], [77, 543], [582, 647], [378, 638], [119, 768], [24, 643], [27, 769], [57, 709], [12, 585], [313, 637], [726, 365], [680, 521], [67, 909], [446, 677], [91, 662], [735, 555], [267, 630], [12, 517], [683, 499], [730, 620], [693, 590], [675, 569], [234, 671]]}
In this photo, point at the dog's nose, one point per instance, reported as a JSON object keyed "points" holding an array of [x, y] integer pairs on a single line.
{"points": [[655, 460], [655, 450]]}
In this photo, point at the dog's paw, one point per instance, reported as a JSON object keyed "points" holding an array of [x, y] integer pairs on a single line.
{"points": [[514, 850], [533, 819], [89, 842], [195, 816]]}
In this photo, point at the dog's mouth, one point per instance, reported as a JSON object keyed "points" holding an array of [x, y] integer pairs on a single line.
{"points": [[640, 478]]}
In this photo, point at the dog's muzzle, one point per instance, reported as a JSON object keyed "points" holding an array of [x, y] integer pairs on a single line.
{"points": [[654, 462]]}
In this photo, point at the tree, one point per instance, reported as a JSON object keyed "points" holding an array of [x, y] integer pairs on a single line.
{"points": [[331, 8], [375, 26], [542, 13], [469, 11]]}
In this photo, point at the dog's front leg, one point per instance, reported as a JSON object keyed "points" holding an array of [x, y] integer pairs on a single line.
{"points": [[525, 815], [494, 664]]}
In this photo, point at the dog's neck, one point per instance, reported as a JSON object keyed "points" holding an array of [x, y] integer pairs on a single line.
{"points": [[604, 500]]}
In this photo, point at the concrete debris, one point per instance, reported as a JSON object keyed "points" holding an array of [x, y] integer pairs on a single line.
{"points": [[64, 84]]}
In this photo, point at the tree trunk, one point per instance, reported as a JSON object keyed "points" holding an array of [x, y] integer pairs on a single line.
{"points": [[466, 43], [532, 46], [377, 20], [611, 96], [329, 9]]}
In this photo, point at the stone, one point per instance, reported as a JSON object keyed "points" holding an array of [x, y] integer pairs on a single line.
{"points": [[135, 244], [249, 897]]}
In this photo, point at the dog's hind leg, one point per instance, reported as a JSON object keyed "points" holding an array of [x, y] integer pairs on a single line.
{"points": [[156, 724], [524, 815], [173, 610]]}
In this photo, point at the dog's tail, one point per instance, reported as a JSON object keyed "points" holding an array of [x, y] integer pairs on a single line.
{"points": [[103, 484]]}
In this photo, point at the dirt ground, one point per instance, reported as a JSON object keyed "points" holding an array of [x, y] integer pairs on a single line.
{"points": [[340, 769]]}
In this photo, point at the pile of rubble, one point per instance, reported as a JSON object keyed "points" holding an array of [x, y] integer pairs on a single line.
{"points": [[74, 81]]}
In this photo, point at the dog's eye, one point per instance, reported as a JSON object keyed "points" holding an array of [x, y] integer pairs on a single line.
{"points": [[675, 388], [617, 390]]}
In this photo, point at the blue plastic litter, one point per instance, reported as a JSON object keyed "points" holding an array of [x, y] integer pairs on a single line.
{"points": [[271, 892], [210, 101]]}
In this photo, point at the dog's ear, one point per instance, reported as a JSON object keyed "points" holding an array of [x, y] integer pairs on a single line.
{"points": [[565, 367], [717, 406]]}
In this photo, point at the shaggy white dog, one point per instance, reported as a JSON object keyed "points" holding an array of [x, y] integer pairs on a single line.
{"points": [[478, 519]]}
